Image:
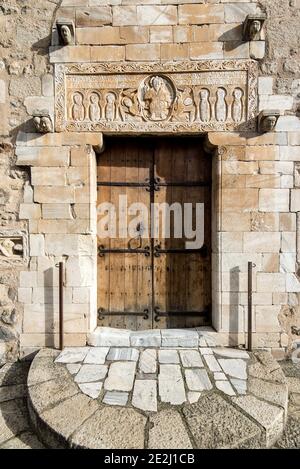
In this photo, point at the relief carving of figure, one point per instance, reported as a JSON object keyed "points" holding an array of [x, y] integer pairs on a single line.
{"points": [[110, 107], [9, 248], [221, 106], [185, 106], [77, 108], [254, 29], [130, 103], [157, 98], [237, 105], [205, 111], [66, 35], [94, 108]]}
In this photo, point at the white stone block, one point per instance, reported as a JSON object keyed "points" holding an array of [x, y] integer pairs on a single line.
{"points": [[144, 395], [36, 245], [288, 241], [120, 376], [80, 271], [81, 295], [2, 92], [179, 338], [290, 153], [108, 336], [265, 85], [24, 295], [292, 283], [287, 262], [274, 200], [47, 85], [257, 49], [28, 279], [57, 211], [30, 212], [262, 242], [281, 102], [270, 282], [145, 338], [147, 363], [288, 124], [171, 385], [237, 12], [295, 200]]}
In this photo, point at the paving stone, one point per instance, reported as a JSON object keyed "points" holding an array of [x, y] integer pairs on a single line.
{"points": [[13, 419], [44, 395], [293, 384], [191, 358], [145, 339], [240, 385], [270, 417], [206, 351], [90, 373], [289, 368], [68, 415], [120, 354], [220, 376], [167, 431], [231, 353], [72, 355], [179, 338], [193, 396], [91, 389], [212, 363], [112, 428], [171, 385], [26, 440], [234, 367], [43, 369], [168, 356], [14, 373], [7, 393], [144, 395], [214, 423], [109, 337], [197, 380], [274, 393], [120, 376], [148, 362], [73, 368], [225, 387], [257, 370], [115, 398], [291, 435], [267, 360], [96, 355]]}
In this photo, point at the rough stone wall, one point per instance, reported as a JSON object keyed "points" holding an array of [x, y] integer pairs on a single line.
{"points": [[159, 30]]}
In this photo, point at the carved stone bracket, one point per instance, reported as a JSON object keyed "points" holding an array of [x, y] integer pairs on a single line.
{"points": [[156, 98], [13, 247]]}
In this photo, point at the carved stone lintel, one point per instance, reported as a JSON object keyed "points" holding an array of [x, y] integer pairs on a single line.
{"points": [[267, 120], [253, 26], [66, 31], [42, 121], [156, 97]]}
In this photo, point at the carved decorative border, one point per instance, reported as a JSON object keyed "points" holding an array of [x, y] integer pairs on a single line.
{"points": [[62, 70]]}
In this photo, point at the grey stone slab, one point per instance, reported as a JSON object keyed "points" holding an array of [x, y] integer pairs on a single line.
{"points": [[206, 351], [193, 396], [225, 387], [14, 373], [270, 417], [120, 376], [257, 370], [90, 373], [234, 367], [167, 431], [214, 423], [120, 354], [212, 363], [240, 385], [43, 369], [44, 395], [13, 419], [168, 356], [111, 428], [231, 353], [91, 389], [197, 380], [171, 385], [109, 337], [73, 368], [179, 338], [148, 363], [96, 355], [26, 440], [115, 398], [145, 338], [191, 358], [7, 393], [219, 376], [267, 360], [145, 395], [293, 384], [291, 435], [274, 393], [290, 368], [72, 355], [68, 415]]}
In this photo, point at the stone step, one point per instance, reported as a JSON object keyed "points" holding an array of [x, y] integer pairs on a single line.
{"points": [[125, 408]]}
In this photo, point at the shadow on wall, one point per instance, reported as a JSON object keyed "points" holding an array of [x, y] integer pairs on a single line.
{"points": [[234, 299]]}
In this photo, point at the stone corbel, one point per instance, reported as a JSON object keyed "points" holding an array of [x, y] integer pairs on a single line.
{"points": [[42, 121], [267, 120], [253, 26], [66, 31]]}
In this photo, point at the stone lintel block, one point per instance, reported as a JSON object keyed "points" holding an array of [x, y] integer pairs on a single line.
{"points": [[59, 139], [42, 156], [66, 54]]}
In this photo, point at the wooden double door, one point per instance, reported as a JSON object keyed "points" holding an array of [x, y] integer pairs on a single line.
{"points": [[146, 276]]}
